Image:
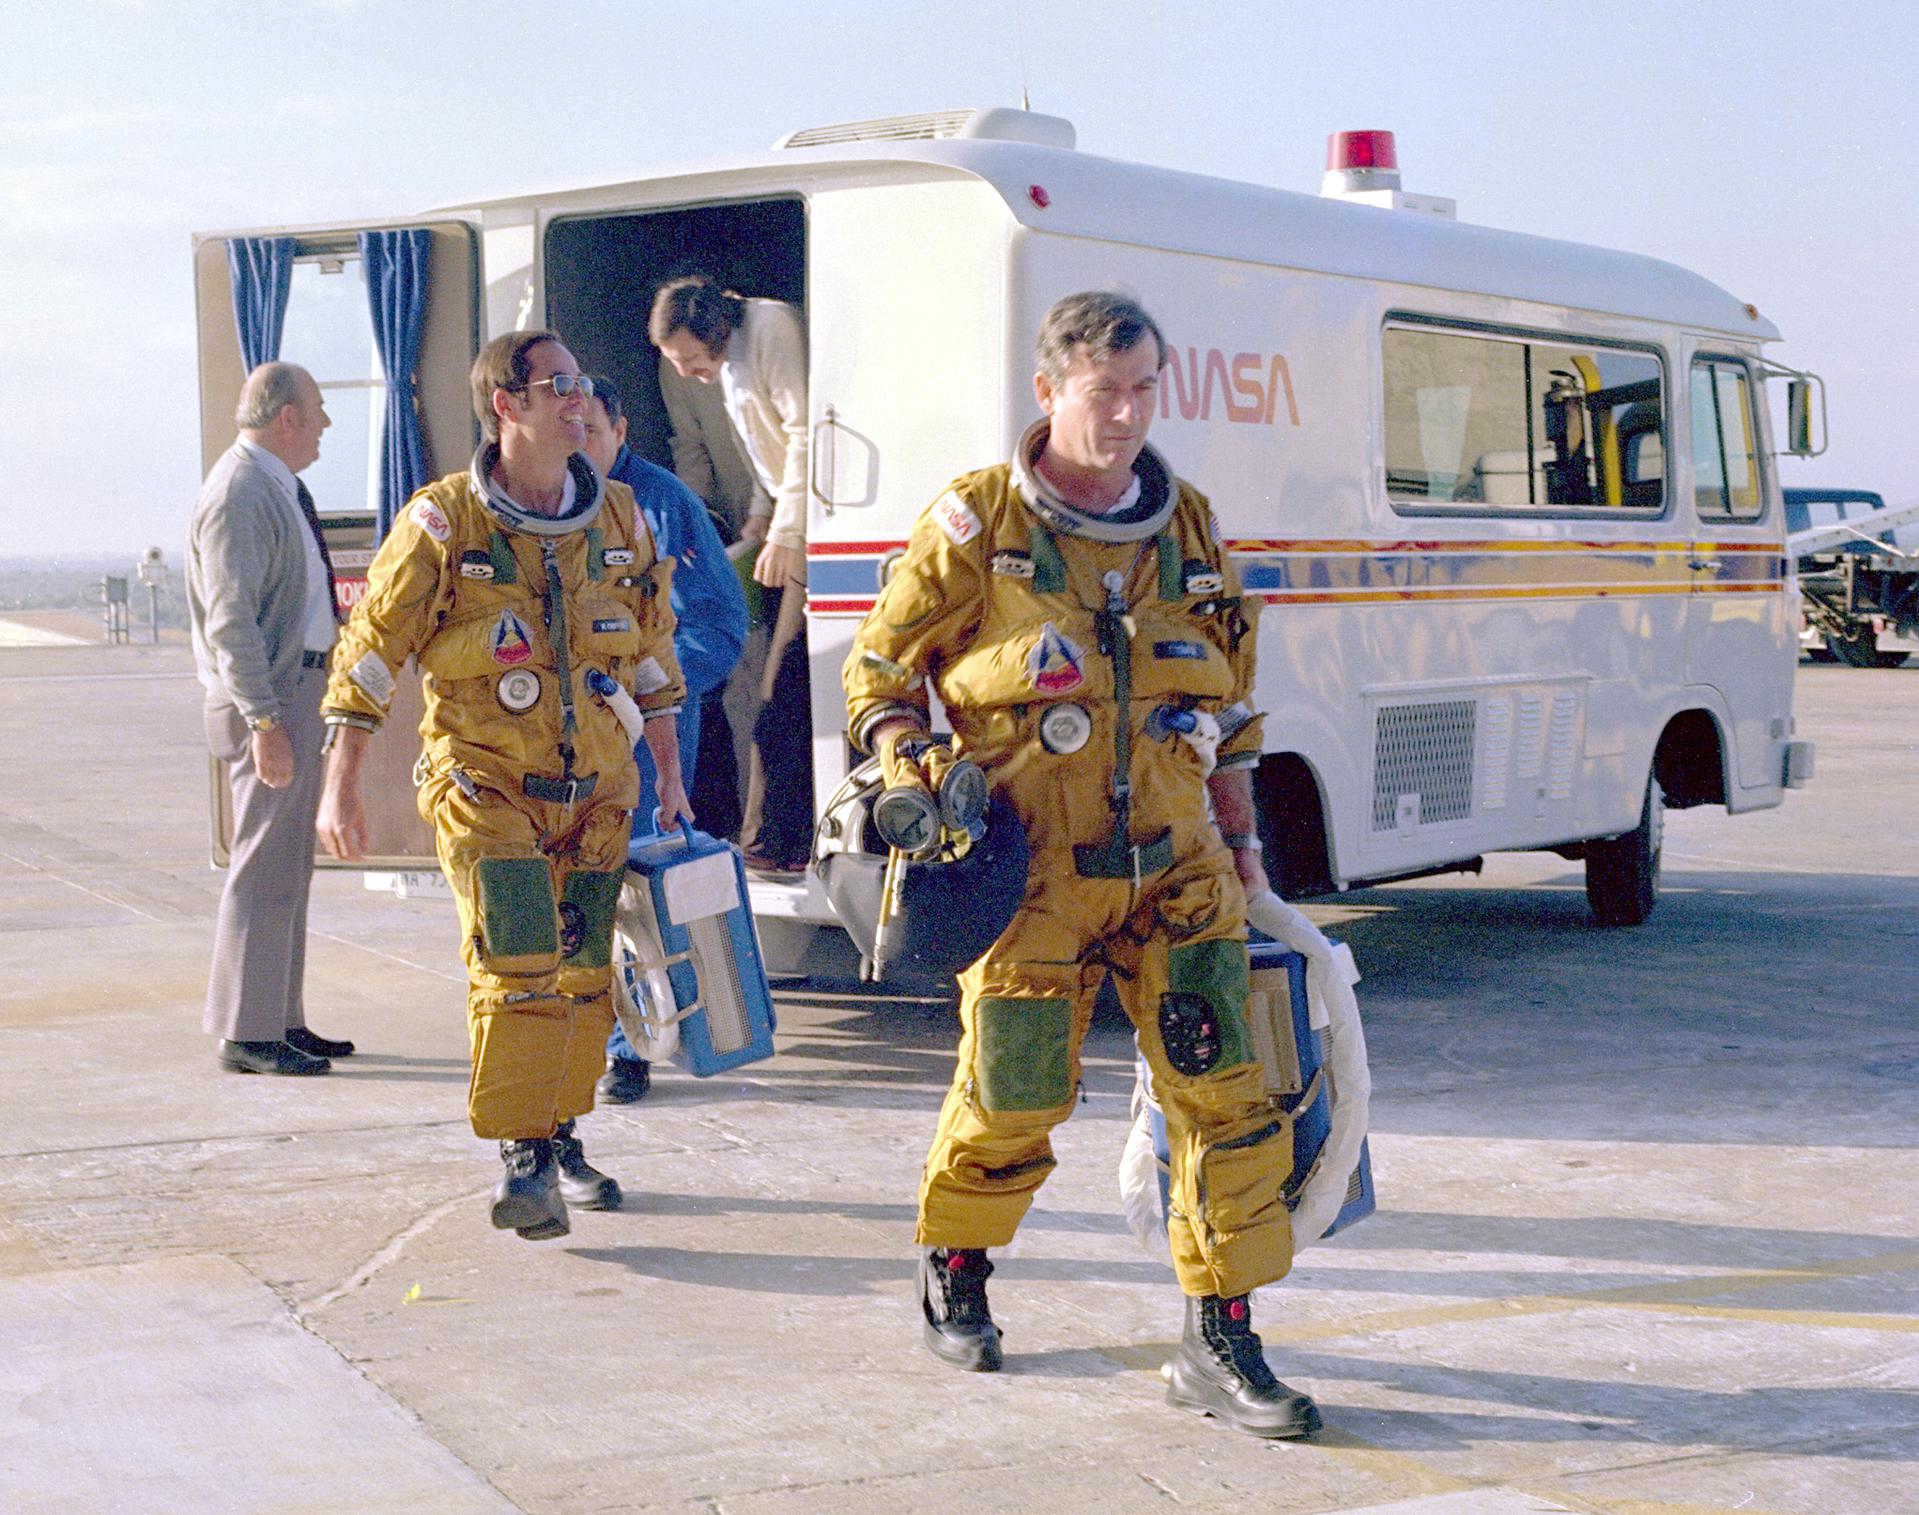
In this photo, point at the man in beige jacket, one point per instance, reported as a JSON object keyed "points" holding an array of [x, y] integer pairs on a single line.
{"points": [[755, 350]]}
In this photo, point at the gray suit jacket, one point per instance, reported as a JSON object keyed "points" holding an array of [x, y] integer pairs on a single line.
{"points": [[246, 595]]}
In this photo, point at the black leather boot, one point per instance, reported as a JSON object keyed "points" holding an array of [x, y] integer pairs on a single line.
{"points": [[528, 1198], [1220, 1369], [959, 1328], [581, 1183]]}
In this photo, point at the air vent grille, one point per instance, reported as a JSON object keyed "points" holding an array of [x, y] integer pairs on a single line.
{"points": [[1424, 751], [997, 124], [927, 127]]}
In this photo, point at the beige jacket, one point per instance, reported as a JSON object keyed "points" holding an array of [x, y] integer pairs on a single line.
{"points": [[763, 378]]}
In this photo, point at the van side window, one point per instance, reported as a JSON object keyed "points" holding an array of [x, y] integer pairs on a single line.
{"points": [[1725, 452], [1514, 423]]}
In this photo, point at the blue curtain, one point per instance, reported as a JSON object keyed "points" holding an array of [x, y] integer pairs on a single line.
{"points": [[262, 272], [396, 269]]}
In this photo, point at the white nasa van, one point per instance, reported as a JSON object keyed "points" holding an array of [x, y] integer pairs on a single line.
{"points": [[1510, 503]]}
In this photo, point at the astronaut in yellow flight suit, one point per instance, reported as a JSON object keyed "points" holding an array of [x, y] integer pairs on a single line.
{"points": [[515, 583], [1074, 609]]}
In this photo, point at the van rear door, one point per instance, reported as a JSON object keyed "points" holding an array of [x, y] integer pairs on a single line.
{"points": [[329, 331]]}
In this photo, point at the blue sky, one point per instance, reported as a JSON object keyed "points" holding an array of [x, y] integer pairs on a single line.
{"points": [[1771, 147]]}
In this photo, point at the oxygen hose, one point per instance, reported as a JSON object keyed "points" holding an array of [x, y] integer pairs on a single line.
{"points": [[619, 702]]}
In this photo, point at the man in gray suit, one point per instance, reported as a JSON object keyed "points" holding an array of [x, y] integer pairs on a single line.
{"points": [[260, 599]]}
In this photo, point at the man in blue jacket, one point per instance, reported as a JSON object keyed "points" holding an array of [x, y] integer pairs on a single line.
{"points": [[711, 614]]}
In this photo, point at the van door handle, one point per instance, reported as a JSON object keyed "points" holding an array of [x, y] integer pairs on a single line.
{"points": [[823, 455], [1704, 565]]}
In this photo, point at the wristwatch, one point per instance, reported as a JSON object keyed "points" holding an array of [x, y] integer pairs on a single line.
{"points": [[264, 723]]}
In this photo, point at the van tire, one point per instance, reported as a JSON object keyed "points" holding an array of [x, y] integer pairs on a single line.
{"points": [[1622, 872]]}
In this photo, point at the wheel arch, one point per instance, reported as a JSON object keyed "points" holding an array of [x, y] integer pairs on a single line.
{"points": [[1290, 803], [1689, 759]]}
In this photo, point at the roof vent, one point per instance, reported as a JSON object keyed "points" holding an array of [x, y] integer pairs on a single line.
{"points": [[1000, 124]]}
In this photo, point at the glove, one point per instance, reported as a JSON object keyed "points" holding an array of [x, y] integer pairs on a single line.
{"points": [[901, 755], [936, 762]]}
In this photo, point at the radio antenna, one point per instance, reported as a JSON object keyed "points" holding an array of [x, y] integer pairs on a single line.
{"points": [[1019, 30]]}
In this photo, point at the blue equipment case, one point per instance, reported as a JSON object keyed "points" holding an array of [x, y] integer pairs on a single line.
{"points": [[693, 898], [1291, 1070]]}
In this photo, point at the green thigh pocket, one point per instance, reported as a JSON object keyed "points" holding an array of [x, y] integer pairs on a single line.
{"points": [[587, 903], [1215, 972], [1025, 1053], [516, 907]]}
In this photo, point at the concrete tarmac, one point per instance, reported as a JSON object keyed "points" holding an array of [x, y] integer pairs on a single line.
{"points": [[1647, 1244]]}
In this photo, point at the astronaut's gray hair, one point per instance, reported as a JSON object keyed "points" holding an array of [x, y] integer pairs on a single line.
{"points": [[269, 389], [1097, 324]]}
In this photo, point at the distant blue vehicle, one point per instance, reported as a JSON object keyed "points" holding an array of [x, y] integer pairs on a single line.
{"points": [[1852, 593]]}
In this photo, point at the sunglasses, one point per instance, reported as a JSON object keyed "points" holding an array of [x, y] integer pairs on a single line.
{"points": [[563, 384]]}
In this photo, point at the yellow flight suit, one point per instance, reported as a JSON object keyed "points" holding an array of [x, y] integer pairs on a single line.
{"points": [[527, 779], [1014, 607]]}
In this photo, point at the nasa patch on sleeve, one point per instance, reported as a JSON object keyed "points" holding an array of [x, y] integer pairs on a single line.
{"points": [[956, 519], [432, 522], [373, 677]]}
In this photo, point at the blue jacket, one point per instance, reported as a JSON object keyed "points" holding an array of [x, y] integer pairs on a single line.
{"points": [[706, 593]]}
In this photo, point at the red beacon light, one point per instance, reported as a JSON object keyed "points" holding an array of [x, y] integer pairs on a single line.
{"points": [[1362, 160], [1362, 168]]}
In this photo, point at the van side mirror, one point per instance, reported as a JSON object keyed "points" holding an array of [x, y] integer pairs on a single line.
{"points": [[1799, 418]]}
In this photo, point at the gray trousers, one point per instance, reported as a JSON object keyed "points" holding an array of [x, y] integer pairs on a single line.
{"points": [[259, 939]]}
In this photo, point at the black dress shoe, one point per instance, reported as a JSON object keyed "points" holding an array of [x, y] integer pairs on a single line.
{"points": [[317, 1046], [625, 1081], [270, 1057]]}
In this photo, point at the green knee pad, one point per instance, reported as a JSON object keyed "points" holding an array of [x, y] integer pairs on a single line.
{"points": [[515, 909], [1024, 1059], [1202, 1014], [587, 904]]}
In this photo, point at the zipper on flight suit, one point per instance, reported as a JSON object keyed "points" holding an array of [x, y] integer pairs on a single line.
{"points": [[1118, 856], [553, 612]]}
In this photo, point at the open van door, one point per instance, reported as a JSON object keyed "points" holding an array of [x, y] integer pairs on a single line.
{"points": [[329, 331], [907, 352]]}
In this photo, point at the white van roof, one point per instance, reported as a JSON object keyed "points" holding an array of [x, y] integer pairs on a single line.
{"points": [[1113, 200]]}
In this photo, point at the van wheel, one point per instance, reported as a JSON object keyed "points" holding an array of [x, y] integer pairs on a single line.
{"points": [[1890, 657], [1622, 872]]}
